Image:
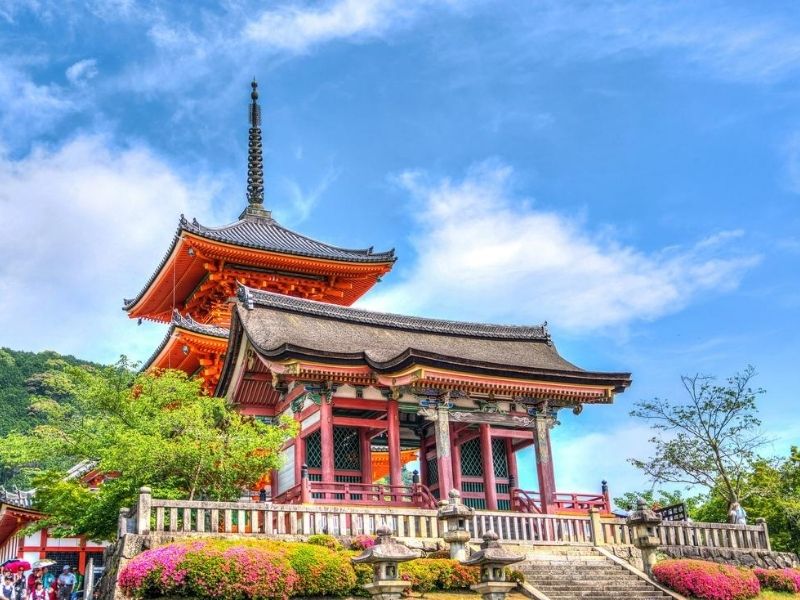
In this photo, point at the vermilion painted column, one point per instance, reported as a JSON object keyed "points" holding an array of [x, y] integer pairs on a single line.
{"points": [[443, 460], [544, 464], [366, 456], [393, 435], [489, 483], [299, 456], [456, 449], [423, 459], [512, 461], [326, 441]]}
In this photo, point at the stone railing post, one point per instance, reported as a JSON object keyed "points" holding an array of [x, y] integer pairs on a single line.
{"points": [[763, 524], [143, 511], [598, 539], [122, 522], [305, 485], [644, 530]]}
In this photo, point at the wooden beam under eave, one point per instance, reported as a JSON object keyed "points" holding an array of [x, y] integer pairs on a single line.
{"points": [[357, 422]]}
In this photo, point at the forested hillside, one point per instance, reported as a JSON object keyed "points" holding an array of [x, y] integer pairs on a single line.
{"points": [[21, 379]]}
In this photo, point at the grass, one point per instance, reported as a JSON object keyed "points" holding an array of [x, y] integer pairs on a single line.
{"points": [[777, 596]]}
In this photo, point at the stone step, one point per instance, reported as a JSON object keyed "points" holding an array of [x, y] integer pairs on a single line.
{"points": [[584, 574]]}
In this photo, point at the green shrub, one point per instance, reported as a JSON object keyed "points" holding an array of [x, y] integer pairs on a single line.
{"points": [[426, 574], [515, 576], [325, 540], [322, 572]]}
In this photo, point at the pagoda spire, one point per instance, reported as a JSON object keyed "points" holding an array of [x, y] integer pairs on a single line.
{"points": [[255, 161]]}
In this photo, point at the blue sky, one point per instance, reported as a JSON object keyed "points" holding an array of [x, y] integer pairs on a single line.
{"points": [[628, 171]]}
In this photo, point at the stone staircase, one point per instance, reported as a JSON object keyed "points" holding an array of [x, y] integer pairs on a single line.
{"points": [[572, 573]]}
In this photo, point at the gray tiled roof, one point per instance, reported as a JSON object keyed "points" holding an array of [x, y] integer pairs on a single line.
{"points": [[395, 321], [264, 233], [284, 327]]}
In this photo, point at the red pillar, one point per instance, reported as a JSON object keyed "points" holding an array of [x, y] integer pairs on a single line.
{"points": [[366, 456], [299, 456], [456, 450], [443, 453], [544, 464], [512, 461], [489, 483], [326, 441], [393, 435], [423, 460]]}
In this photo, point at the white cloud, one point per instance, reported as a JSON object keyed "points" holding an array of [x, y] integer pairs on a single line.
{"points": [[23, 101], [485, 255], [81, 227], [82, 71], [297, 28]]}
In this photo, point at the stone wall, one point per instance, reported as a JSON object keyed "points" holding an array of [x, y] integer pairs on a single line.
{"points": [[631, 555], [733, 556], [116, 556]]}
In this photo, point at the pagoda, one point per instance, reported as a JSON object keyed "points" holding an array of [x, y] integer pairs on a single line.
{"points": [[192, 287], [262, 316]]}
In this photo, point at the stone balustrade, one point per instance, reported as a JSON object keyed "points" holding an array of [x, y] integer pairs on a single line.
{"points": [[254, 518]]}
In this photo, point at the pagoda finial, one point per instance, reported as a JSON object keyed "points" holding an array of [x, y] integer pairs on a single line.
{"points": [[255, 162]]}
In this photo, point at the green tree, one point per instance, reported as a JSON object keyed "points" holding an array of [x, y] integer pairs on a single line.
{"points": [[709, 441], [137, 429], [658, 499]]}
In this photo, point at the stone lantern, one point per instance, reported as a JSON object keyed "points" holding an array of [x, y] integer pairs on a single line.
{"points": [[493, 559], [455, 514], [384, 557], [644, 523]]}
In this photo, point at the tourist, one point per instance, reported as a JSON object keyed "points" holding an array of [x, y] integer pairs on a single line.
{"points": [[38, 592], [737, 514], [49, 582], [36, 575], [7, 590], [65, 583], [19, 585]]}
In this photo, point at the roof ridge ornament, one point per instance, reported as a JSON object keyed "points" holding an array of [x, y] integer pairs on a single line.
{"points": [[255, 161]]}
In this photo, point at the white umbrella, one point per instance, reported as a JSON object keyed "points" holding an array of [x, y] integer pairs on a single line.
{"points": [[45, 562]]}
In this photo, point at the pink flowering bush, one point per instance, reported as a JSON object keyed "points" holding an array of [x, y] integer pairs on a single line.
{"points": [[362, 542], [779, 580], [208, 570], [707, 580], [155, 572]]}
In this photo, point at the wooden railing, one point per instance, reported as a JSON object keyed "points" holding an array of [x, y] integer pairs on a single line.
{"points": [[697, 535], [269, 519], [531, 502], [356, 494]]}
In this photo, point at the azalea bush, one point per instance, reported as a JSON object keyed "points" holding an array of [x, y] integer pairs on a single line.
{"points": [[362, 542], [779, 580], [322, 571], [323, 539], [428, 574], [707, 580]]}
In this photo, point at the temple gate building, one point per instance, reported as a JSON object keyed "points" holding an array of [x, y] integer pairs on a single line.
{"points": [[262, 315]]}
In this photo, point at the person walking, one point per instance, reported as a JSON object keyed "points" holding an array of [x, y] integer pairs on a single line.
{"points": [[65, 583]]}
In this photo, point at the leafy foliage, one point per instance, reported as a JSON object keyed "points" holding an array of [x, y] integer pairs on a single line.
{"points": [[658, 499], [707, 580], [23, 377], [710, 440], [154, 429], [427, 574]]}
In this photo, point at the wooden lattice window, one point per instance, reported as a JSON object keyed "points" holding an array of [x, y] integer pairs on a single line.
{"points": [[314, 450], [471, 464], [433, 472], [346, 449], [499, 458]]}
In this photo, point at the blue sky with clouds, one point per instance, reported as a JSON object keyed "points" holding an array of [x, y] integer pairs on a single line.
{"points": [[628, 171]]}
